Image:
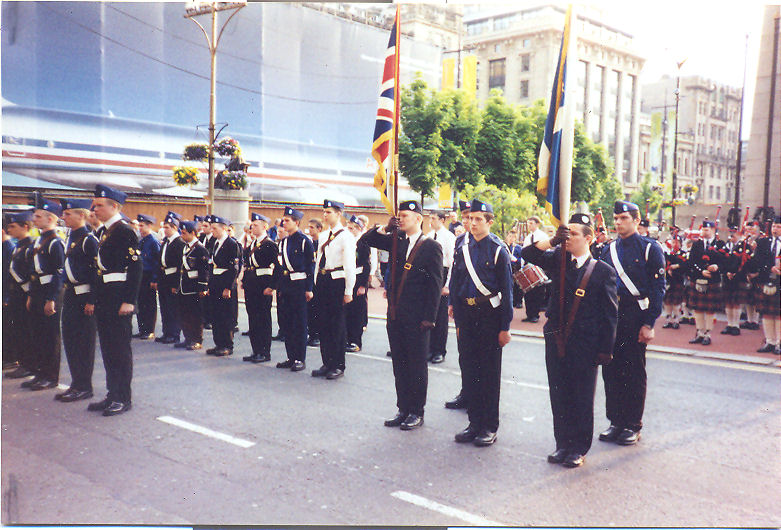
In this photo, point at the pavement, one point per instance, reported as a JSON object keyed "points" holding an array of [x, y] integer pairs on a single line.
{"points": [[217, 441]]}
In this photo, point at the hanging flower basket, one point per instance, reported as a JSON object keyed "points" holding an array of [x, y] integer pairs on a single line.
{"points": [[231, 180], [185, 176], [197, 152], [228, 147], [667, 204], [690, 188], [679, 202]]}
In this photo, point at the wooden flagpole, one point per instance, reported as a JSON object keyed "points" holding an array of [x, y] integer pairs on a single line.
{"points": [[395, 169]]}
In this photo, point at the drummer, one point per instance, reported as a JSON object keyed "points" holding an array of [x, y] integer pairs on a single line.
{"points": [[535, 298]]}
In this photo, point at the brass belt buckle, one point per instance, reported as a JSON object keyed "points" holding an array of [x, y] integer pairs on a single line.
{"points": [[471, 301], [580, 292], [285, 273], [407, 266]]}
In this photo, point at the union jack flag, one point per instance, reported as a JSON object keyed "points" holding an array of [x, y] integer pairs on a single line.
{"points": [[384, 145]]}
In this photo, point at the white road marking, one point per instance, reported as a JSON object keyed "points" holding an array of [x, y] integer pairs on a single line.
{"points": [[423, 502], [206, 431]]}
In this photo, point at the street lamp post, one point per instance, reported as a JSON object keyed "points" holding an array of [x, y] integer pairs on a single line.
{"points": [[675, 141], [212, 43]]}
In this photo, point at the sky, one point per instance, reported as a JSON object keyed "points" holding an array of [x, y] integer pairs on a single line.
{"points": [[710, 35]]}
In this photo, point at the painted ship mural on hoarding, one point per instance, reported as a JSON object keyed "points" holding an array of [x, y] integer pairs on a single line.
{"points": [[112, 92]]}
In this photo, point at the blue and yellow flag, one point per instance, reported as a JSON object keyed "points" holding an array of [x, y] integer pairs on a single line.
{"points": [[554, 166]]}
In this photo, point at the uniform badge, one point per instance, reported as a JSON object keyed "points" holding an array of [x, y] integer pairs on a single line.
{"points": [[73, 245], [134, 258]]}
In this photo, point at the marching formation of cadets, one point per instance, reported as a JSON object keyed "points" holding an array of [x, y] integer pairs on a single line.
{"points": [[614, 291]]}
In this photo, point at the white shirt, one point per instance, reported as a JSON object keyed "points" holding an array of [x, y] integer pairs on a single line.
{"points": [[219, 242], [447, 240], [165, 250], [579, 261], [340, 252], [114, 218], [535, 237], [412, 240]]}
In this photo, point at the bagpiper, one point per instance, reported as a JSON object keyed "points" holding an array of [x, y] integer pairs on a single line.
{"points": [[704, 270]]}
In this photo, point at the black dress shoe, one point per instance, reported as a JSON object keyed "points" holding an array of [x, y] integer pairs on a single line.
{"points": [[397, 420], [676, 325], [223, 352], [531, 320], [261, 358], [99, 405], [628, 437], [744, 325], [181, 344], [31, 382], [147, 336], [60, 395], [485, 438], [116, 407], [726, 331], [573, 460], [160, 339], [313, 342], [467, 435], [706, 340], [320, 372], [19, 373], [667, 325], [248, 358], [278, 337], [168, 340], [336, 373], [352, 348], [458, 402], [767, 348], [558, 456], [735, 331], [285, 364], [194, 346], [298, 366], [696, 340], [211, 351], [438, 358], [610, 434], [412, 421], [76, 395]]}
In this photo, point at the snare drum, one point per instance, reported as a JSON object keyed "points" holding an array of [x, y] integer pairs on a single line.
{"points": [[529, 277]]}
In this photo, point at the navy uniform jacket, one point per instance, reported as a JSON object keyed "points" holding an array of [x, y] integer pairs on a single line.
{"points": [[150, 257], [241, 253], [79, 269], [259, 264], [170, 262], [21, 264], [8, 251], [594, 328], [491, 262], [118, 255], [194, 277], [647, 274], [701, 257], [422, 290], [48, 256], [362, 265], [296, 255], [208, 241], [225, 266]]}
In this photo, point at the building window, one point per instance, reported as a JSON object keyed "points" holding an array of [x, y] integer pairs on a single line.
{"points": [[525, 62], [524, 88], [496, 74], [527, 43], [497, 48], [718, 193], [710, 192]]}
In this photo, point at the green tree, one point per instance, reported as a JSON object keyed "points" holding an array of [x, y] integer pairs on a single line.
{"points": [[649, 192], [509, 204], [497, 151], [459, 140]]}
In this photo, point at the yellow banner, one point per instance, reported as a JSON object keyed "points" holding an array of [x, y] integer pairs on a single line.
{"points": [[469, 74], [448, 73], [445, 196]]}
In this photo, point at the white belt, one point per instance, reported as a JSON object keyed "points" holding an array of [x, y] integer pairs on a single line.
{"points": [[358, 270], [337, 274], [170, 270], [114, 277], [45, 279], [217, 270], [264, 272], [297, 275], [25, 286], [192, 274], [81, 289]]}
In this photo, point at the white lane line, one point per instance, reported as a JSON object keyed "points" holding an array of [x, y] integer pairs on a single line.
{"points": [[423, 502], [454, 372], [206, 431]]}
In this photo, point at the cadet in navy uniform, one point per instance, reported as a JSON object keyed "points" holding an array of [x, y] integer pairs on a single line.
{"points": [[356, 312], [481, 294], [10, 359], [413, 296], [334, 284], [149, 247], [294, 278], [78, 304], [207, 238], [222, 286], [446, 239], [168, 282], [193, 285], [589, 333], [639, 264], [258, 284], [119, 278], [706, 259], [20, 334], [44, 300], [459, 402]]}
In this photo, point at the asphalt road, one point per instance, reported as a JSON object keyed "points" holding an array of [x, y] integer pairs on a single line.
{"points": [[283, 448]]}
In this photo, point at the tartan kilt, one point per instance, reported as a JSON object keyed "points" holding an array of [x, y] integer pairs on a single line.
{"points": [[674, 294], [710, 302], [734, 295], [769, 305]]}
